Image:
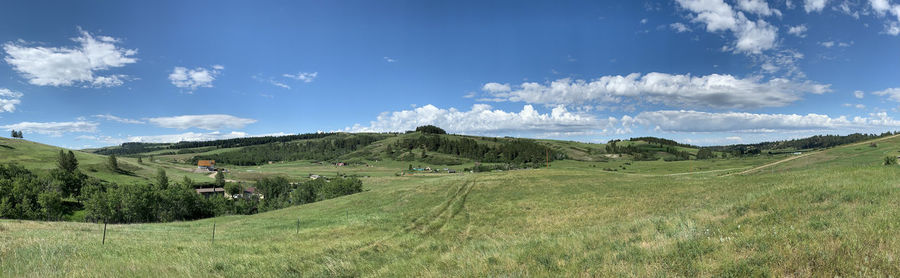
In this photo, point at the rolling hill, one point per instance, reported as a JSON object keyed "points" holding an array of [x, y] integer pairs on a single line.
{"points": [[827, 213]]}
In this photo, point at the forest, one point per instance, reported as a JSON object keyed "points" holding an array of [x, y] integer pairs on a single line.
{"points": [[321, 149], [516, 151]]}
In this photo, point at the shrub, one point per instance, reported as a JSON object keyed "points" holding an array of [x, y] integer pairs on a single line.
{"points": [[890, 160]]}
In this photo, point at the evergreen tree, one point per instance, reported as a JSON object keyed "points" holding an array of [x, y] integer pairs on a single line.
{"points": [[72, 162], [140, 161], [220, 179], [113, 163], [14, 134], [161, 179]]}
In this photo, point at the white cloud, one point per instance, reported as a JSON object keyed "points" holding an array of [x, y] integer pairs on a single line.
{"points": [[67, 66], [483, 119], [814, 5], [827, 44], [859, 94], [751, 36], [759, 7], [680, 27], [53, 128], [891, 93], [389, 59], [8, 100], [208, 122], [882, 8], [199, 77], [110, 117], [799, 30], [495, 87], [686, 121], [857, 106], [715, 90], [306, 77], [643, 21]]}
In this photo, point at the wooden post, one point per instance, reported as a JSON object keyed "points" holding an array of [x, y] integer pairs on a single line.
{"points": [[298, 225], [214, 233], [104, 234]]}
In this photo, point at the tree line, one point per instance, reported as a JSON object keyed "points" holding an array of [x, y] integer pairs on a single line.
{"points": [[321, 149], [814, 142], [516, 151]]}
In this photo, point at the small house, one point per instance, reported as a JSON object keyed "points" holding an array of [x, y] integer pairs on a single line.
{"points": [[209, 165]]}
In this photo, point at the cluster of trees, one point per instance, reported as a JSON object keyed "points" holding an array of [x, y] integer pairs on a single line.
{"points": [[430, 129], [279, 193], [26, 195], [156, 202], [132, 148], [249, 141], [814, 142], [321, 149], [662, 142], [16, 134], [518, 151]]}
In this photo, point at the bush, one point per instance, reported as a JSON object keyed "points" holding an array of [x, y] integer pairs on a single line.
{"points": [[890, 160]]}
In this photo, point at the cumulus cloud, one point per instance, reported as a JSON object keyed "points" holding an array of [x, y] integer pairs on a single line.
{"points": [[484, 119], [680, 27], [759, 7], [751, 36], [884, 7], [110, 117], [715, 91], [68, 66], [799, 30], [814, 5], [495, 87], [686, 121], [8, 100], [208, 122], [199, 77], [306, 77], [859, 94], [53, 128]]}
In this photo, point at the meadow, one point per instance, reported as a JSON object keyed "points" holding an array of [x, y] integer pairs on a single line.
{"points": [[831, 213]]}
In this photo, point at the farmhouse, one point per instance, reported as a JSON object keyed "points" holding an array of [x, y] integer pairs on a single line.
{"points": [[209, 165]]}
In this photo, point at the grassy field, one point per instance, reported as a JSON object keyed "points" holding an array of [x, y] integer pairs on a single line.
{"points": [[832, 213]]}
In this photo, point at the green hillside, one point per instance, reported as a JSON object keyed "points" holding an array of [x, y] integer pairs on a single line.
{"points": [[827, 213], [42, 158]]}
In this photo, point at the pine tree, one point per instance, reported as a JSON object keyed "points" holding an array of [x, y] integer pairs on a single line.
{"points": [[14, 134], [161, 179], [72, 162], [220, 179], [113, 164]]}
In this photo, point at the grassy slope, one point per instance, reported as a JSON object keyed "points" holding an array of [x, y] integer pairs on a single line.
{"points": [[39, 157], [831, 213]]}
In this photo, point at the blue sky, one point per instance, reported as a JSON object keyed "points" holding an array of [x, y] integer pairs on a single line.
{"points": [[91, 73]]}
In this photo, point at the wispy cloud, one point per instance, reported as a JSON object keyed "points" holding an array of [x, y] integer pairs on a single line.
{"points": [[54, 128], [306, 77], [207, 122]]}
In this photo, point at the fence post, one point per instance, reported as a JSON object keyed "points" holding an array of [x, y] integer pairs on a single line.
{"points": [[298, 225], [214, 233], [104, 234]]}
